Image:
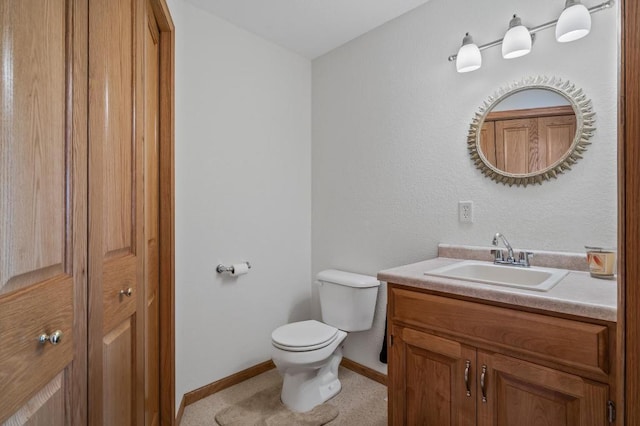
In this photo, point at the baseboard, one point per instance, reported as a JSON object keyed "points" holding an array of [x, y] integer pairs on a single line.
{"points": [[364, 370], [180, 412], [206, 390]]}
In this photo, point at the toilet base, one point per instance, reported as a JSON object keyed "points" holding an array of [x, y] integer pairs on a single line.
{"points": [[305, 388]]}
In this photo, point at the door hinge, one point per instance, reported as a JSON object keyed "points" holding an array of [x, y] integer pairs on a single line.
{"points": [[611, 411], [391, 340]]}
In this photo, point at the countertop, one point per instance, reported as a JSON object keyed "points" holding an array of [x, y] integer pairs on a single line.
{"points": [[576, 294]]}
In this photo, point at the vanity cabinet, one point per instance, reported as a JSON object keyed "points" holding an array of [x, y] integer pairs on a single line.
{"points": [[462, 362]]}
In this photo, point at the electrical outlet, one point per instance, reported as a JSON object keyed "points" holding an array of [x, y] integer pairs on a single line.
{"points": [[465, 211]]}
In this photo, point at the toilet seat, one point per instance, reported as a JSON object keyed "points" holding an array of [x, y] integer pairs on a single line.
{"points": [[303, 336]]}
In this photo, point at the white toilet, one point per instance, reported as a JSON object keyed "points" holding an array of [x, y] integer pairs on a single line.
{"points": [[308, 353]]}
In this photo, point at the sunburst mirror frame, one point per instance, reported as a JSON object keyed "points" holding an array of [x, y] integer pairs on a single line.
{"points": [[585, 120]]}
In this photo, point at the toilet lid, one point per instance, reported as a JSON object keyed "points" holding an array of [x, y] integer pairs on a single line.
{"points": [[303, 336]]}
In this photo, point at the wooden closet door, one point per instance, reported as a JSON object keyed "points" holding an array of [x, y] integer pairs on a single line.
{"points": [[43, 210], [116, 201]]}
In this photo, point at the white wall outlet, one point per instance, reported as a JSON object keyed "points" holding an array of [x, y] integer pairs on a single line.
{"points": [[465, 211]]}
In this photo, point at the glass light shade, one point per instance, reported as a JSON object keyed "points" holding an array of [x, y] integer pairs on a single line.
{"points": [[574, 22], [469, 57], [517, 40]]}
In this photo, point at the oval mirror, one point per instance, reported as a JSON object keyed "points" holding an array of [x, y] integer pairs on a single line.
{"points": [[531, 131]]}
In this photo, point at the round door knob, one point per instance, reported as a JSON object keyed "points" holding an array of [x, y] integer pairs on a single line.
{"points": [[128, 292], [54, 338]]}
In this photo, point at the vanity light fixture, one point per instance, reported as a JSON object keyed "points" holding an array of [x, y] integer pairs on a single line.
{"points": [[572, 24], [469, 57], [517, 41]]}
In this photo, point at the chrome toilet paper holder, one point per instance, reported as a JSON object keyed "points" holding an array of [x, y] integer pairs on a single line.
{"points": [[221, 268]]}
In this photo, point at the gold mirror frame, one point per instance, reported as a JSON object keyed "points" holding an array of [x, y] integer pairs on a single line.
{"points": [[585, 119]]}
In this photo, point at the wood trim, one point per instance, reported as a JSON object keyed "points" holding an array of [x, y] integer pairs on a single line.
{"points": [[629, 215], [515, 114], [78, 19], [137, 231], [206, 390], [239, 377], [180, 412], [167, 214], [162, 15], [395, 386], [365, 371]]}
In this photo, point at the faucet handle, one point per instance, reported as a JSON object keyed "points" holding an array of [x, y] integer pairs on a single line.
{"points": [[497, 255], [525, 257]]}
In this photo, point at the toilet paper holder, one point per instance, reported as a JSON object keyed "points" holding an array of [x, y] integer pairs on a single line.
{"points": [[221, 268]]}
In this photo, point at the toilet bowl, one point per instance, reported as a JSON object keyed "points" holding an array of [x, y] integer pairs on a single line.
{"points": [[310, 372], [308, 353]]}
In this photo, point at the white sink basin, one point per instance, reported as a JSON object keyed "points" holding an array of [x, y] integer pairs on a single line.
{"points": [[533, 278]]}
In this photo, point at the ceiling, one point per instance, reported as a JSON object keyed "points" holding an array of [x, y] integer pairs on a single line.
{"points": [[308, 27]]}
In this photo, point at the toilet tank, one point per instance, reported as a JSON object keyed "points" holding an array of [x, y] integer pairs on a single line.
{"points": [[347, 300]]}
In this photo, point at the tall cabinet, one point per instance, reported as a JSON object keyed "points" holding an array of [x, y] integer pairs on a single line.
{"points": [[78, 322]]}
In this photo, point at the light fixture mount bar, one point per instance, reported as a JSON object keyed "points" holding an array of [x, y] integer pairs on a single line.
{"points": [[594, 9]]}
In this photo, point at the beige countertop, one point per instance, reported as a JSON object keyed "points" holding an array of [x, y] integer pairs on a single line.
{"points": [[576, 294]]}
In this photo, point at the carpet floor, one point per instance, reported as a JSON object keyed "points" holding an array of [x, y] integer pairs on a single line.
{"points": [[361, 401]]}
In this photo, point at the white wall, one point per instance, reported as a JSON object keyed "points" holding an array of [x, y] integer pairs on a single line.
{"points": [[243, 170], [389, 155]]}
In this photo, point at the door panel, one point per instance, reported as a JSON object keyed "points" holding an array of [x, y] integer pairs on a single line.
{"points": [[42, 210], [526, 394], [488, 143], [556, 137], [113, 72], [45, 408], [116, 358], [34, 146], [29, 314], [434, 386], [518, 141], [120, 275], [119, 359]]}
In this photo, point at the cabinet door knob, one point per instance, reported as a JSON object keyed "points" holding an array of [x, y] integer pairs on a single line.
{"points": [[467, 370], [483, 383], [54, 338], [128, 292]]}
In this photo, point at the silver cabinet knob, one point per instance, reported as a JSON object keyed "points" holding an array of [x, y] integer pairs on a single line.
{"points": [[54, 338], [128, 292]]}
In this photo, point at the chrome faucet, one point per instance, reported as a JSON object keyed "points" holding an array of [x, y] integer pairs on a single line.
{"points": [[523, 258], [506, 244]]}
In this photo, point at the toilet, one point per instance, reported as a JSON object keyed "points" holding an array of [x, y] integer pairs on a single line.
{"points": [[308, 353]]}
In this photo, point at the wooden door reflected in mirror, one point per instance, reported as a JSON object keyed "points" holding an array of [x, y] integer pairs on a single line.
{"points": [[531, 131]]}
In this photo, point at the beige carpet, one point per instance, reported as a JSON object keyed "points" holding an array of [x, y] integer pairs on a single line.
{"points": [[361, 401], [265, 409]]}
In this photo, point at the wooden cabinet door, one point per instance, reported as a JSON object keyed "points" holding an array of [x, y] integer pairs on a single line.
{"points": [[517, 145], [525, 394], [488, 144], [428, 384], [555, 137], [116, 216], [43, 211]]}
